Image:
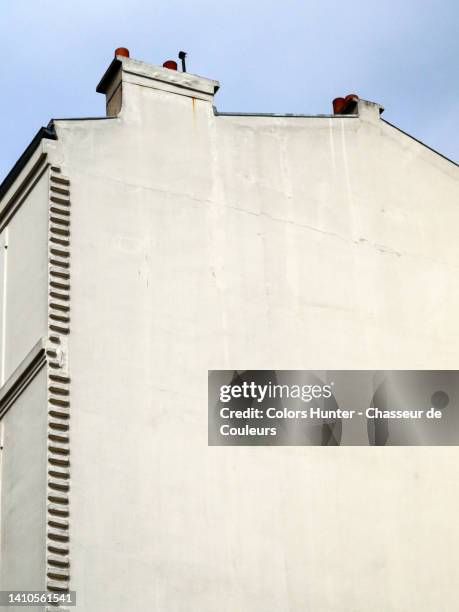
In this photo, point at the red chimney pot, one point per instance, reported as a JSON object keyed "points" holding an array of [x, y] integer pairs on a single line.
{"points": [[344, 106], [338, 105], [170, 64], [122, 51]]}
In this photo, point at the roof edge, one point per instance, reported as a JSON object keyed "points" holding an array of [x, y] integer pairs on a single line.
{"points": [[218, 113], [420, 142], [108, 76], [44, 132]]}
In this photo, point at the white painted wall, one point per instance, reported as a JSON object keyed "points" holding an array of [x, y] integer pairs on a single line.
{"points": [[23, 277], [203, 241], [23, 488], [23, 322]]}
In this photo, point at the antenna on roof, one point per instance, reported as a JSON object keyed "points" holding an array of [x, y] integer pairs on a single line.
{"points": [[182, 55]]}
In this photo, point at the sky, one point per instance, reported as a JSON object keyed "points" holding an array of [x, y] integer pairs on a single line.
{"points": [[293, 56]]}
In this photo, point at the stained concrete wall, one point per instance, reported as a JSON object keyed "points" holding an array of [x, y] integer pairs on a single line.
{"points": [[23, 278], [23, 447], [202, 241], [23, 491]]}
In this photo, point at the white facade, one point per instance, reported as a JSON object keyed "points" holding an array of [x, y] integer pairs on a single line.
{"points": [[198, 241]]}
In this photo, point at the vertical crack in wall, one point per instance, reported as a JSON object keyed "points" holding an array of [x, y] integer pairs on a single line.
{"points": [[58, 456]]}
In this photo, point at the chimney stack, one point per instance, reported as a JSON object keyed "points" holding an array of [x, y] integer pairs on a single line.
{"points": [[353, 105], [124, 73]]}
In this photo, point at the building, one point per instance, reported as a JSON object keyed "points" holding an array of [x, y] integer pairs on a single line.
{"points": [[140, 250]]}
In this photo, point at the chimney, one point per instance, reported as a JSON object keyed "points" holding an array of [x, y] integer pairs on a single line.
{"points": [[125, 72], [353, 105], [345, 106]]}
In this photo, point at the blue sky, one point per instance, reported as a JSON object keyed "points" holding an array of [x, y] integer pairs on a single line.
{"points": [[293, 56]]}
